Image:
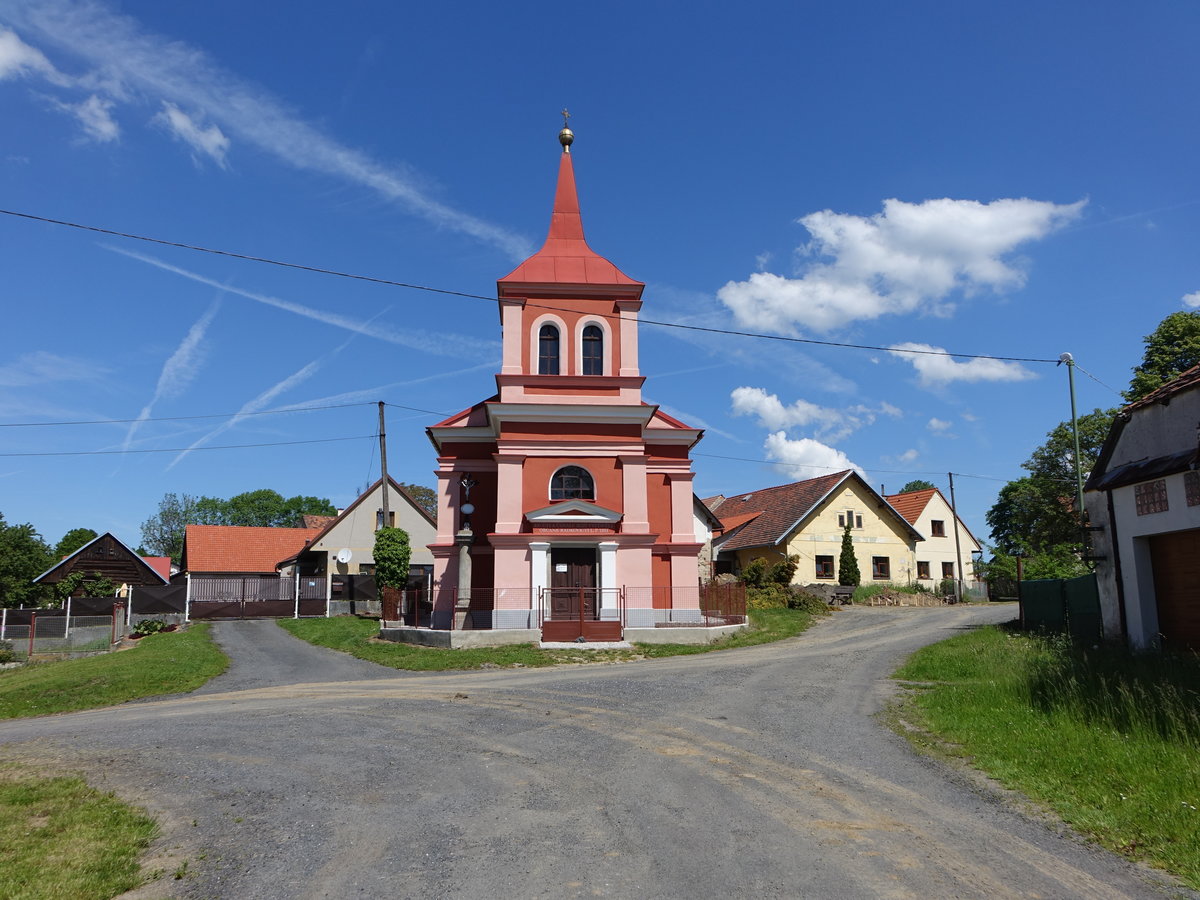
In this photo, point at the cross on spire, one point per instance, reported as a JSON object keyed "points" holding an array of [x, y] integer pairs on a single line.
{"points": [[566, 115]]}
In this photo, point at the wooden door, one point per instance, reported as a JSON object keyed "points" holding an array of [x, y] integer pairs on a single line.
{"points": [[1176, 561], [572, 580]]}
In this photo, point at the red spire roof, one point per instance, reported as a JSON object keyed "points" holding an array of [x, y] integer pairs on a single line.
{"points": [[566, 258]]}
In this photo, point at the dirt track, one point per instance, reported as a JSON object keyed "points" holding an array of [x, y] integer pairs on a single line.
{"points": [[758, 772]]}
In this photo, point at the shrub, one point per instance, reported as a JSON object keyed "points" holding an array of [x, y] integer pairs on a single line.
{"points": [[782, 596], [149, 626], [6, 652], [783, 571], [754, 573]]}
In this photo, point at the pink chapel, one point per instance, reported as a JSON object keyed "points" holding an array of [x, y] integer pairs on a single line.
{"points": [[565, 501]]}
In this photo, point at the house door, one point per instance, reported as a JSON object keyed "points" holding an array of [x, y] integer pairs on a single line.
{"points": [[573, 582], [1176, 561]]}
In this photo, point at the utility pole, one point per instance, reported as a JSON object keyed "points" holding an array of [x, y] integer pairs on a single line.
{"points": [[1083, 537], [383, 466], [958, 579]]}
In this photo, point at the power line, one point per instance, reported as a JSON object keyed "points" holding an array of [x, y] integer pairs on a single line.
{"points": [[447, 292], [263, 412], [771, 462], [1098, 381], [193, 449]]}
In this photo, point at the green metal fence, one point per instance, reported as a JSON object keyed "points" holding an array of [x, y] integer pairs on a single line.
{"points": [[1070, 605]]}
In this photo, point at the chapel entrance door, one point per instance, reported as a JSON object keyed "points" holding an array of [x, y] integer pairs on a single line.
{"points": [[574, 609], [572, 583]]}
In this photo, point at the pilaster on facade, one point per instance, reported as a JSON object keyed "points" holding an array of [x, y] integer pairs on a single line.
{"points": [[682, 530], [509, 491], [628, 310], [633, 484], [511, 313]]}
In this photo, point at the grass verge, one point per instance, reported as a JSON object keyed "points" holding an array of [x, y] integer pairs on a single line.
{"points": [[60, 838], [1109, 740], [171, 663], [355, 636]]}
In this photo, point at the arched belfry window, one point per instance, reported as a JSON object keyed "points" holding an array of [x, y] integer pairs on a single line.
{"points": [[572, 483], [548, 342], [593, 350]]}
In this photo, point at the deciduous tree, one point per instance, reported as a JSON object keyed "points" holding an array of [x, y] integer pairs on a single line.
{"points": [[72, 541], [917, 484], [1173, 347], [23, 557], [424, 497]]}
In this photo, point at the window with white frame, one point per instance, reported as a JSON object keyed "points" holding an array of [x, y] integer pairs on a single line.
{"points": [[548, 349], [593, 350]]}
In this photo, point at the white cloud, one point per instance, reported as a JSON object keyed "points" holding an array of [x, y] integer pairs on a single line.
{"points": [[805, 457], [771, 413], [440, 343], [909, 258], [179, 370], [938, 426], [95, 116], [209, 141], [43, 367], [1192, 300], [935, 367], [830, 424], [909, 455], [133, 64], [18, 58]]}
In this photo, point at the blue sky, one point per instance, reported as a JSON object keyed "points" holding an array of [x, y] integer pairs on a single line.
{"points": [[1011, 180]]}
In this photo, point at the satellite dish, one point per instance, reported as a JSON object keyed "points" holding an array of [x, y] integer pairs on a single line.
{"points": [[345, 555]]}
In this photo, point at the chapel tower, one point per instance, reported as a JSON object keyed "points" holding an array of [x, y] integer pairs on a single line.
{"points": [[579, 491]]}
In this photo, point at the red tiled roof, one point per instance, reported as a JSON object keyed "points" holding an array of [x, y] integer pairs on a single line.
{"points": [[566, 258], [729, 523], [236, 548], [311, 521], [1177, 385], [776, 509], [160, 564], [912, 504]]}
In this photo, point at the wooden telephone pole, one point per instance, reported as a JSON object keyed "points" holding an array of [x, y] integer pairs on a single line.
{"points": [[383, 466]]}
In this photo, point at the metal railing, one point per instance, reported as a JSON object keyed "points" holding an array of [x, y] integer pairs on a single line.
{"points": [[708, 605], [49, 631]]}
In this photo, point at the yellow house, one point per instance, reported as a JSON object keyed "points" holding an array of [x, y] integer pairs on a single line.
{"points": [[806, 519]]}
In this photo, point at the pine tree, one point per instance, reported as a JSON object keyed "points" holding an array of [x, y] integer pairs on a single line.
{"points": [[848, 575]]}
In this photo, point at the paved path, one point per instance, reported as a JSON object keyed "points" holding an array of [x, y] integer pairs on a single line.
{"points": [[757, 772]]}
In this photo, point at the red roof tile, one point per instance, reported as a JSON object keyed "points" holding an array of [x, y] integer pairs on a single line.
{"points": [[912, 504], [236, 548], [160, 564], [776, 509], [566, 258], [1180, 383]]}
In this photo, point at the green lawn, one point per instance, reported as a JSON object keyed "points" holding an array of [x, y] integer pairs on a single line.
{"points": [[355, 636], [60, 838], [1107, 739], [170, 663]]}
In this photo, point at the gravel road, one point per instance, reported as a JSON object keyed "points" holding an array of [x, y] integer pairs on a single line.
{"points": [[758, 772]]}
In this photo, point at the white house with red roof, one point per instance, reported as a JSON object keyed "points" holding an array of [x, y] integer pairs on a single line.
{"points": [[942, 554], [1143, 502], [565, 500]]}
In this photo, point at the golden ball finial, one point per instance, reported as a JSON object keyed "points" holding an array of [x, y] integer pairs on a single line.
{"points": [[566, 136]]}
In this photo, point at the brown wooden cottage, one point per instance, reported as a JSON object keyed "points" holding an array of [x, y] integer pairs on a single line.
{"points": [[109, 557]]}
